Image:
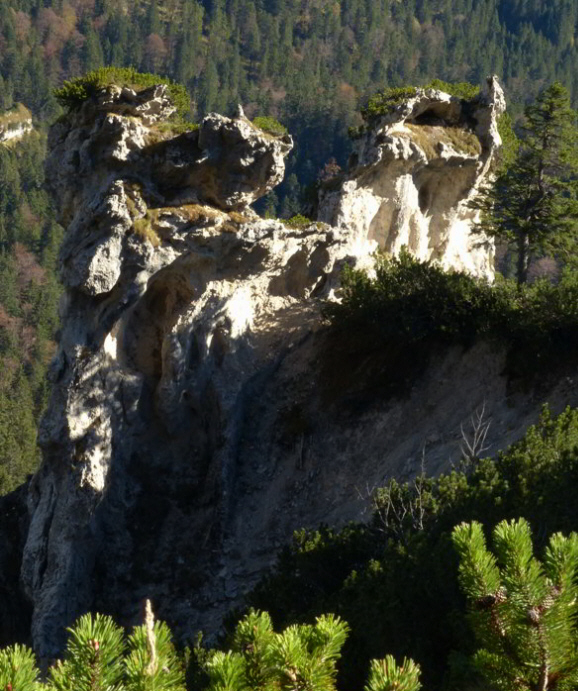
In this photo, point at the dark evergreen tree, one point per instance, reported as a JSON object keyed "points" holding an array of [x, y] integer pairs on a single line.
{"points": [[533, 204]]}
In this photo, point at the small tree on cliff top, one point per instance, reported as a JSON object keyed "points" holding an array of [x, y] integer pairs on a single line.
{"points": [[532, 205]]}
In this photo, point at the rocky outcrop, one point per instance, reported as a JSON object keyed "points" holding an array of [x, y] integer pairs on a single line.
{"points": [[412, 174], [175, 314], [15, 124], [201, 411]]}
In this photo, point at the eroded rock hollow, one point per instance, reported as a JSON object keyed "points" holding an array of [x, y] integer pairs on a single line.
{"points": [[200, 412]]}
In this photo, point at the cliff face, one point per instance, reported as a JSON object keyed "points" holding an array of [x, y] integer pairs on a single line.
{"points": [[200, 410], [412, 174], [180, 304]]}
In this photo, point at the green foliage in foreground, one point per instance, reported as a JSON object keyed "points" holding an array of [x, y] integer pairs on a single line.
{"points": [[410, 302], [18, 670], [523, 611], [386, 675], [395, 580], [269, 125], [301, 658], [72, 94], [100, 658]]}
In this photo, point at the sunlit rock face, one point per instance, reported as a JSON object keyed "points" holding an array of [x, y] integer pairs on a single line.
{"points": [[15, 124], [179, 301], [412, 174]]}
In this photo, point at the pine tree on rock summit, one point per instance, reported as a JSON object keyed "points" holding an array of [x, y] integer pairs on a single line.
{"points": [[533, 205]]}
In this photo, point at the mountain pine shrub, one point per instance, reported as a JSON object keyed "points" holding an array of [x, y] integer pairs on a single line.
{"points": [[269, 125], [99, 658], [386, 675], [18, 670], [73, 93], [395, 581], [409, 302], [387, 100], [523, 611]]}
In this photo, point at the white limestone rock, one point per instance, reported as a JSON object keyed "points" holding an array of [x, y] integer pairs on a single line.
{"points": [[413, 172], [231, 164], [171, 308]]}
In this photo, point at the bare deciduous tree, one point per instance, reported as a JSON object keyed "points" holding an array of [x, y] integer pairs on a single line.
{"points": [[474, 443]]}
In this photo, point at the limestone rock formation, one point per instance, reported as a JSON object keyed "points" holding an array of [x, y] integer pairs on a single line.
{"points": [[201, 411], [15, 124], [412, 174], [174, 312]]}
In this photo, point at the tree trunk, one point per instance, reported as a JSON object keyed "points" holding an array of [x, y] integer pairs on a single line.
{"points": [[523, 258]]}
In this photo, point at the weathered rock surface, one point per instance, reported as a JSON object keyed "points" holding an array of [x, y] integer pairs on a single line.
{"points": [[412, 174], [15, 611], [15, 124], [200, 410], [174, 312]]}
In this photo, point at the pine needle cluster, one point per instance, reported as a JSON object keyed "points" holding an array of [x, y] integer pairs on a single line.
{"points": [[99, 657], [523, 611]]}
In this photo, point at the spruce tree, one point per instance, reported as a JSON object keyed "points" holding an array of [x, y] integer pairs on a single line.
{"points": [[532, 205], [523, 611]]}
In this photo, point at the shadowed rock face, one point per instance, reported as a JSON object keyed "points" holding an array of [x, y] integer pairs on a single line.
{"points": [[414, 171], [201, 411], [14, 609]]}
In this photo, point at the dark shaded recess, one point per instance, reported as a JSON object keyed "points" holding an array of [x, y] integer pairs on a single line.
{"points": [[15, 610], [358, 369]]}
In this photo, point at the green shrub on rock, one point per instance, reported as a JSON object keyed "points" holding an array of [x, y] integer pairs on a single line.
{"points": [[409, 302], [270, 126], [298, 221], [386, 101], [463, 90], [72, 94]]}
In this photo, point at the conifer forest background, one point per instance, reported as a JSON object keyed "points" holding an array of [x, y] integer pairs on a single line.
{"points": [[310, 63]]}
